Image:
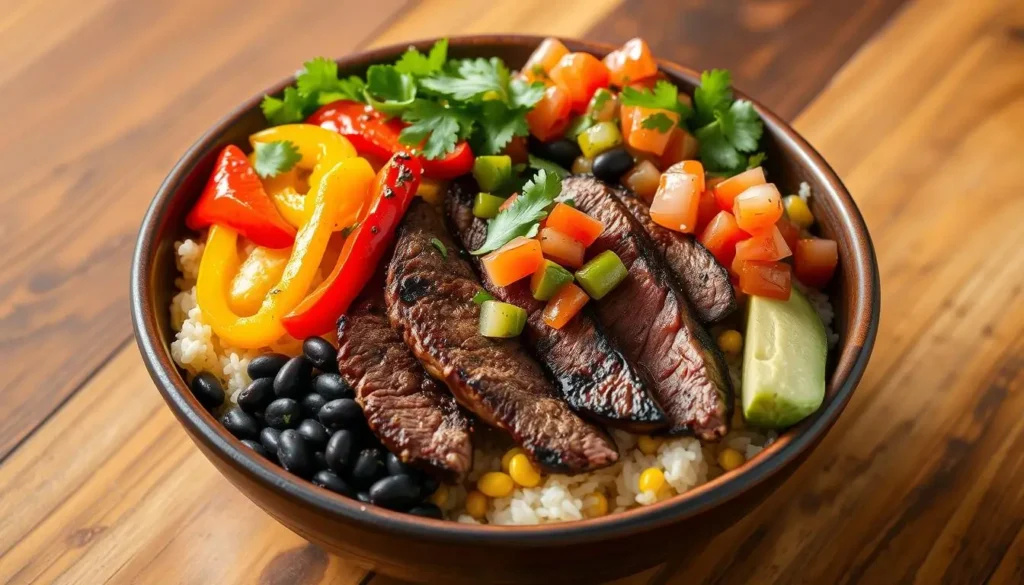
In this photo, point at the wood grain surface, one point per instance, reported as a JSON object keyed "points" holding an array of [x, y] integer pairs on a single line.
{"points": [[921, 479]]}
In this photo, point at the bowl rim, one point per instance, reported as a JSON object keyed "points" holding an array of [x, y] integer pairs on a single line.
{"points": [[204, 428]]}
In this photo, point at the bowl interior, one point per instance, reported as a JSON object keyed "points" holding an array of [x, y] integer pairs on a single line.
{"points": [[854, 295]]}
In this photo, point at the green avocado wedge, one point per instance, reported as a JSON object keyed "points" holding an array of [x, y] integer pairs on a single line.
{"points": [[783, 361]]}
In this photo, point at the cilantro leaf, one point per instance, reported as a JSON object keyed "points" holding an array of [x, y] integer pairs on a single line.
{"points": [[497, 126], [319, 74], [665, 96], [522, 217], [415, 63], [524, 95], [746, 127], [473, 79], [545, 165], [274, 158], [714, 94], [440, 247], [756, 160], [288, 109], [733, 131], [482, 296], [388, 90], [659, 122], [435, 126], [578, 125], [353, 88]]}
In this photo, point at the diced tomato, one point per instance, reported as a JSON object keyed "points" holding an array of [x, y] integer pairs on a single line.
{"points": [[768, 246], [560, 248], [515, 260], [575, 224], [643, 179], [790, 232], [508, 202], [676, 203], [650, 140], [580, 74], [815, 261], [516, 150], [549, 118], [758, 208], [544, 58], [633, 62], [720, 237], [690, 167], [707, 209], [562, 307], [681, 146], [609, 106], [727, 190], [766, 279]]}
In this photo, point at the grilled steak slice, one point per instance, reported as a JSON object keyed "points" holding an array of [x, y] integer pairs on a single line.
{"points": [[650, 319], [429, 296], [595, 378], [701, 277], [413, 415]]}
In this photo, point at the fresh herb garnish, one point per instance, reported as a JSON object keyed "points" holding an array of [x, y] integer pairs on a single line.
{"points": [[315, 85], [389, 90], [659, 121], [415, 63], [522, 217], [726, 128], [545, 165], [665, 96], [756, 160], [440, 247], [482, 297], [274, 158]]}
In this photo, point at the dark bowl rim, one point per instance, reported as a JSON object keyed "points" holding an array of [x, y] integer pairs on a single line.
{"points": [[204, 428]]}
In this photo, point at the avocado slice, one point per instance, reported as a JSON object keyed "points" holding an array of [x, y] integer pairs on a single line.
{"points": [[783, 361]]}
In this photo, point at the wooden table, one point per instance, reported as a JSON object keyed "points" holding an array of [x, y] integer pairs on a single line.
{"points": [[919, 105]]}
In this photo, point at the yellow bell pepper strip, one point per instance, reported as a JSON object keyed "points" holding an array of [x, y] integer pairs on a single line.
{"points": [[351, 177], [291, 205], [260, 271]]}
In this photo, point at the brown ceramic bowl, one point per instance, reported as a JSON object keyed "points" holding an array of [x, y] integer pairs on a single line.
{"points": [[426, 550]]}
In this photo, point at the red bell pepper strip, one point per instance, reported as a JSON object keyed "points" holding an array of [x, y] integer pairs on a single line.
{"points": [[364, 248], [234, 198], [374, 134]]}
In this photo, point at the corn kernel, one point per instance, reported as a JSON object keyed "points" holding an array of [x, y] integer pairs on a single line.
{"points": [[440, 496], [506, 459], [797, 211], [582, 165], [496, 484], [476, 505], [431, 191], [523, 472], [648, 445], [651, 480], [731, 341], [594, 505], [730, 459]]}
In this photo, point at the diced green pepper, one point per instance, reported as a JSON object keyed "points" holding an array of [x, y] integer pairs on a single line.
{"points": [[599, 138], [492, 172], [499, 319], [485, 205], [545, 282], [602, 274]]}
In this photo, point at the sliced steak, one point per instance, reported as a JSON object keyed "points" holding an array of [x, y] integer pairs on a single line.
{"points": [[595, 377], [413, 415], [429, 296], [650, 319], [705, 281]]}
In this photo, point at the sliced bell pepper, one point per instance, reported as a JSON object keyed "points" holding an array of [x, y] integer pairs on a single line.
{"points": [[234, 197], [374, 134], [220, 263], [395, 186]]}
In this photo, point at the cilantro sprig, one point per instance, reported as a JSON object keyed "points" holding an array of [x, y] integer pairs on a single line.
{"points": [[728, 129], [273, 158], [522, 218], [316, 84]]}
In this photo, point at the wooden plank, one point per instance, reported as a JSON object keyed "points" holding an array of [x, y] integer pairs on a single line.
{"points": [[101, 99]]}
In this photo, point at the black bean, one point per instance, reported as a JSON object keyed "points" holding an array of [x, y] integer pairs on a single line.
{"points": [[266, 365], [332, 386], [293, 453], [397, 492], [311, 404], [339, 451], [612, 164], [257, 447], [240, 424], [331, 481], [294, 378], [257, 395], [320, 461], [343, 413], [363, 497], [321, 353], [271, 440], [428, 485], [283, 413], [207, 390], [368, 468], [314, 433], [395, 466], [562, 152], [427, 511]]}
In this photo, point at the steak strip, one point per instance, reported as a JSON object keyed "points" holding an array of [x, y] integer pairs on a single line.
{"points": [[649, 318], [429, 296], [593, 375], [705, 281], [411, 413]]}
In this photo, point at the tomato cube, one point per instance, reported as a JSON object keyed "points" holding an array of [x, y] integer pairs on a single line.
{"points": [[643, 179], [516, 150], [515, 260], [676, 203], [766, 279], [562, 307], [547, 54], [768, 245], [707, 209], [727, 190], [721, 236], [789, 232], [681, 146], [815, 261], [633, 62], [691, 167], [575, 224], [550, 116], [652, 140], [580, 75], [758, 208], [560, 248]]}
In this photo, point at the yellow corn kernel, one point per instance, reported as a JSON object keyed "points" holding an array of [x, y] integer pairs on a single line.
{"points": [[523, 472], [594, 505], [797, 211], [648, 445], [496, 484], [431, 191], [731, 341], [651, 480], [440, 496], [476, 505], [582, 165], [730, 459], [506, 459]]}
